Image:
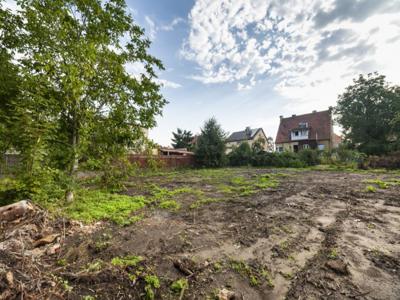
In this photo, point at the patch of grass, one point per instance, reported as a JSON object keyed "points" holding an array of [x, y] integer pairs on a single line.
{"points": [[381, 184], [152, 282], [255, 275], [268, 278], [179, 285], [94, 266], [333, 254], [127, 261], [217, 266], [100, 246], [370, 189], [95, 205], [170, 204], [226, 189], [62, 262]]}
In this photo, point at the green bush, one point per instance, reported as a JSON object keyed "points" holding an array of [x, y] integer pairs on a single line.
{"points": [[310, 157], [240, 156]]}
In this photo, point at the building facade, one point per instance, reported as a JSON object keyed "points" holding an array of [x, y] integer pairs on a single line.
{"points": [[248, 135], [308, 131]]}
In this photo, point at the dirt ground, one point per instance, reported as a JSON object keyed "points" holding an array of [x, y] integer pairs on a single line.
{"points": [[316, 235]]}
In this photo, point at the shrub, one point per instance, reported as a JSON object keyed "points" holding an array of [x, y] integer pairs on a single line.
{"points": [[310, 157], [240, 156], [390, 161]]}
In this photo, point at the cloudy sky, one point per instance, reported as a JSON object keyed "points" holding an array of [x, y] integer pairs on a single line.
{"points": [[247, 62]]}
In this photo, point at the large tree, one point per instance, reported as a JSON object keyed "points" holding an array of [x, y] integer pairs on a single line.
{"points": [[74, 88], [182, 139], [210, 149], [367, 112]]}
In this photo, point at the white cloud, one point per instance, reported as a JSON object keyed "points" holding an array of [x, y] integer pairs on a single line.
{"points": [[152, 27], [168, 84], [10, 4], [312, 47], [172, 25]]}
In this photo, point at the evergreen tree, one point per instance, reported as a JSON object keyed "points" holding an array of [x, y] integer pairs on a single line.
{"points": [[182, 139], [210, 150]]}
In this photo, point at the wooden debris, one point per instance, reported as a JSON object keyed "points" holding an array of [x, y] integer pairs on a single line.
{"points": [[16, 210]]}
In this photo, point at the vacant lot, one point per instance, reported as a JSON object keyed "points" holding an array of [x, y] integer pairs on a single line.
{"points": [[233, 233]]}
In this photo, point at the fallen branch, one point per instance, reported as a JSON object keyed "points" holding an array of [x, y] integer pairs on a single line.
{"points": [[15, 210]]}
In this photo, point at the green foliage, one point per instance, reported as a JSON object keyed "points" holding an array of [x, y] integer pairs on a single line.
{"points": [[127, 261], [368, 112], [68, 95], [255, 275], [210, 149], [333, 254], [274, 159], [179, 285], [115, 172], [310, 157], [241, 156], [170, 204], [182, 139], [152, 282], [95, 205]]}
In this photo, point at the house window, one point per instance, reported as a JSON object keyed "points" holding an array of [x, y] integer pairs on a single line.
{"points": [[296, 133], [306, 146], [321, 147], [280, 149]]}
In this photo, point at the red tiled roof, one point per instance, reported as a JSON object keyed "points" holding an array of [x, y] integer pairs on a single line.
{"points": [[318, 122]]}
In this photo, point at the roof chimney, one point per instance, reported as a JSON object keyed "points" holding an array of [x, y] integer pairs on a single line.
{"points": [[281, 117], [314, 111], [248, 131], [293, 116]]}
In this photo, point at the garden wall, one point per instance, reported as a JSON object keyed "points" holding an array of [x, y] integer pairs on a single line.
{"points": [[164, 161]]}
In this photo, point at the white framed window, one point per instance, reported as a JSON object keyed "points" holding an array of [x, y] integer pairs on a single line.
{"points": [[306, 146], [321, 147]]}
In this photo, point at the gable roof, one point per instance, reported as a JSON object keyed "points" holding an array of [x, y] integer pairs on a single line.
{"points": [[319, 124], [242, 135]]}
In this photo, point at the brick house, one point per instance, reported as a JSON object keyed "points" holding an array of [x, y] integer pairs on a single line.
{"points": [[309, 131]]}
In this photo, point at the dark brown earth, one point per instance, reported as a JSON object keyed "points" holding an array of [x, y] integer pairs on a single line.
{"points": [[318, 235]]}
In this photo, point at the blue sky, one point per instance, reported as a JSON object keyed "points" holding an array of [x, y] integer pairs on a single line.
{"points": [[247, 62]]}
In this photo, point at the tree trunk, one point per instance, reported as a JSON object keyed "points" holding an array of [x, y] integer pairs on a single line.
{"points": [[15, 210], [69, 195]]}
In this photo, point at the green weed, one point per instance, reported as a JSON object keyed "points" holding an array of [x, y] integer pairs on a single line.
{"points": [[152, 282], [127, 261], [370, 189], [170, 204], [179, 285], [94, 205], [333, 254]]}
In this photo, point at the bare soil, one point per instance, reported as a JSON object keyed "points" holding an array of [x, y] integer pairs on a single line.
{"points": [[318, 235]]}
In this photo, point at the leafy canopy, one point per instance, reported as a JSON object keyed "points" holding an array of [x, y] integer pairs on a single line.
{"points": [[368, 111], [75, 98], [182, 139], [210, 150]]}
